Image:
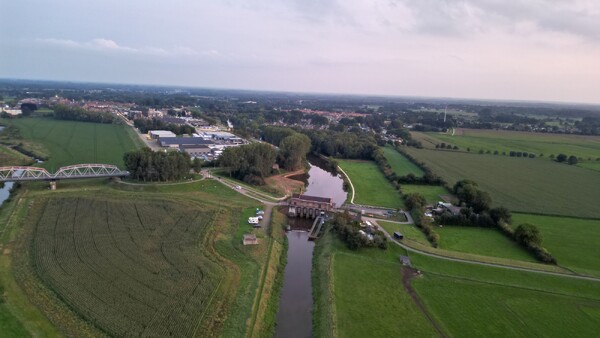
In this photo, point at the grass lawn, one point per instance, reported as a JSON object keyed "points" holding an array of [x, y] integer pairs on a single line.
{"points": [[524, 185], [400, 164], [71, 142], [410, 231], [10, 157], [371, 187], [481, 241], [9, 325], [430, 192], [590, 165], [574, 242], [537, 143]]}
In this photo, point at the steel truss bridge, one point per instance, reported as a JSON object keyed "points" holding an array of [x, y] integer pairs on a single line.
{"points": [[16, 174]]}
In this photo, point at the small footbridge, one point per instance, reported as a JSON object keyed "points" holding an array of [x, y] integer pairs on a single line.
{"points": [[20, 174]]}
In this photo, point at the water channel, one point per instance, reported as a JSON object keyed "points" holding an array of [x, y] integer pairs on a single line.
{"points": [[4, 191], [294, 318]]}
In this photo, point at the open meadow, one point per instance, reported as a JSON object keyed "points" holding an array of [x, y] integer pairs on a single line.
{"points": [[71, 142], [431, 193], [368, 298], [371, 187], [521, 184], [132, 260], [400, 164], [506, 141], [573, 241], [473, 300], [481, 241]]}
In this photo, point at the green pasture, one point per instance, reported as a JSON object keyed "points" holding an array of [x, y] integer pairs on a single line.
{"points": [[371, 187], [481, 241], [431, 193], [574, 242], [474, 309], [399, 163], [410, 231], [71, 142], [591, 165], [506, 141], [520, 184]]}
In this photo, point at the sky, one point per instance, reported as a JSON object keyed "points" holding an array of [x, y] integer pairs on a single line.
{"points": [[546, 50]]}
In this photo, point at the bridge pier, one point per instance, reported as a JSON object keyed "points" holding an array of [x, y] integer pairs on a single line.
{"points": [[52, 185]]}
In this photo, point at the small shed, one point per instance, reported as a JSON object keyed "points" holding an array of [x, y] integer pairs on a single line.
{"points": [[250, 239], [405, 260]]}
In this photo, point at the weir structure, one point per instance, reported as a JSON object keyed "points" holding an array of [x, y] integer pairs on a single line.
{"points": [[308, 206], [20, 174]]}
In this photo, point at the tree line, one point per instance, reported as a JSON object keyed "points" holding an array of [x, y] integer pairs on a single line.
{"points": [[73, 113], [149, 166], [145, 125], [350, 232]]}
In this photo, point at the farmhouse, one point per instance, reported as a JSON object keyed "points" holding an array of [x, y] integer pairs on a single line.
{"points": [[449, 207], [250, 239]]}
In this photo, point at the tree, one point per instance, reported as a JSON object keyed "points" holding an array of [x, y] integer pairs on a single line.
{"points": [[481, 202], [197, 164], [528, 234], [414, 201], [561, 158], [572, 160], [501, 214], [293, 150]]}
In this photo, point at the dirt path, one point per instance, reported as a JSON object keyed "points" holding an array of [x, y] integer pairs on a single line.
{"points": [[407, 275]]}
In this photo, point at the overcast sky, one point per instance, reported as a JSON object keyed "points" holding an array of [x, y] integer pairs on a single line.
{"points": [[497, 49]]}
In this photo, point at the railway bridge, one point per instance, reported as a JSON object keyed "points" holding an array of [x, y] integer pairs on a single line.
{"points": [[20, 174]]}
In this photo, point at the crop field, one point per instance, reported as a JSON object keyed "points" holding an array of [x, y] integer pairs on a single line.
{"points": [[400, 164], [431, 193], [372, 188], [524, 185], [574, 242], [133, 268], [473, 300], [503, 140], [71, 142], [481, 241]]}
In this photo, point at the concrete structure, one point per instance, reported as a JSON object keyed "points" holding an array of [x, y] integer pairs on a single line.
{"points": [[156, 134], [13, 112], [250, 239], [308, 206]]}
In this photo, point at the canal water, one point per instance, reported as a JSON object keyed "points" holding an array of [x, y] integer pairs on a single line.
{"points": [[294, 319], [5, 192]]}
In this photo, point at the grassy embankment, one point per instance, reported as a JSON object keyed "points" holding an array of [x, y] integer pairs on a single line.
{"points": [[371, 187], [70, 142], [471, 300], [524, 185], [235, 269], [400, 164], [360, 294]]}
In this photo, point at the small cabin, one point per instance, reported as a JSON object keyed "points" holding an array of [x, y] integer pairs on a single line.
{"points": [[398, 235], [250, 239]]}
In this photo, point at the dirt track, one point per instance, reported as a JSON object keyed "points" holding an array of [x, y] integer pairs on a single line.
{"points": [[408, 274]]}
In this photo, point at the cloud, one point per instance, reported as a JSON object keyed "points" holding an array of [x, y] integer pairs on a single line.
{"points": [[107, 45]]}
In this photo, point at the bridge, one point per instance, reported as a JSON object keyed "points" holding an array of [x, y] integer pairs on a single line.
{"points": [[19, 174]]}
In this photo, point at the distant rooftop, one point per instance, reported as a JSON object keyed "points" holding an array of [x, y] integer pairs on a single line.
{"points": [[168, 141]]}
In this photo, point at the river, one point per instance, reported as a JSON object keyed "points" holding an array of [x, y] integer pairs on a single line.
{"points": [[5, 192], [294, 319]]}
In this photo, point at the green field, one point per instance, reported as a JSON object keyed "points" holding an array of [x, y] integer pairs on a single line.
{"points": [[590, 165], [132, 259], [10, 157], [431, 193], [506, 141], [410, 231], [473, 300], [368, 298], [525, 185], [481, 241], [400, 164], [371, 187], [574, 242], [70, 142]]}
